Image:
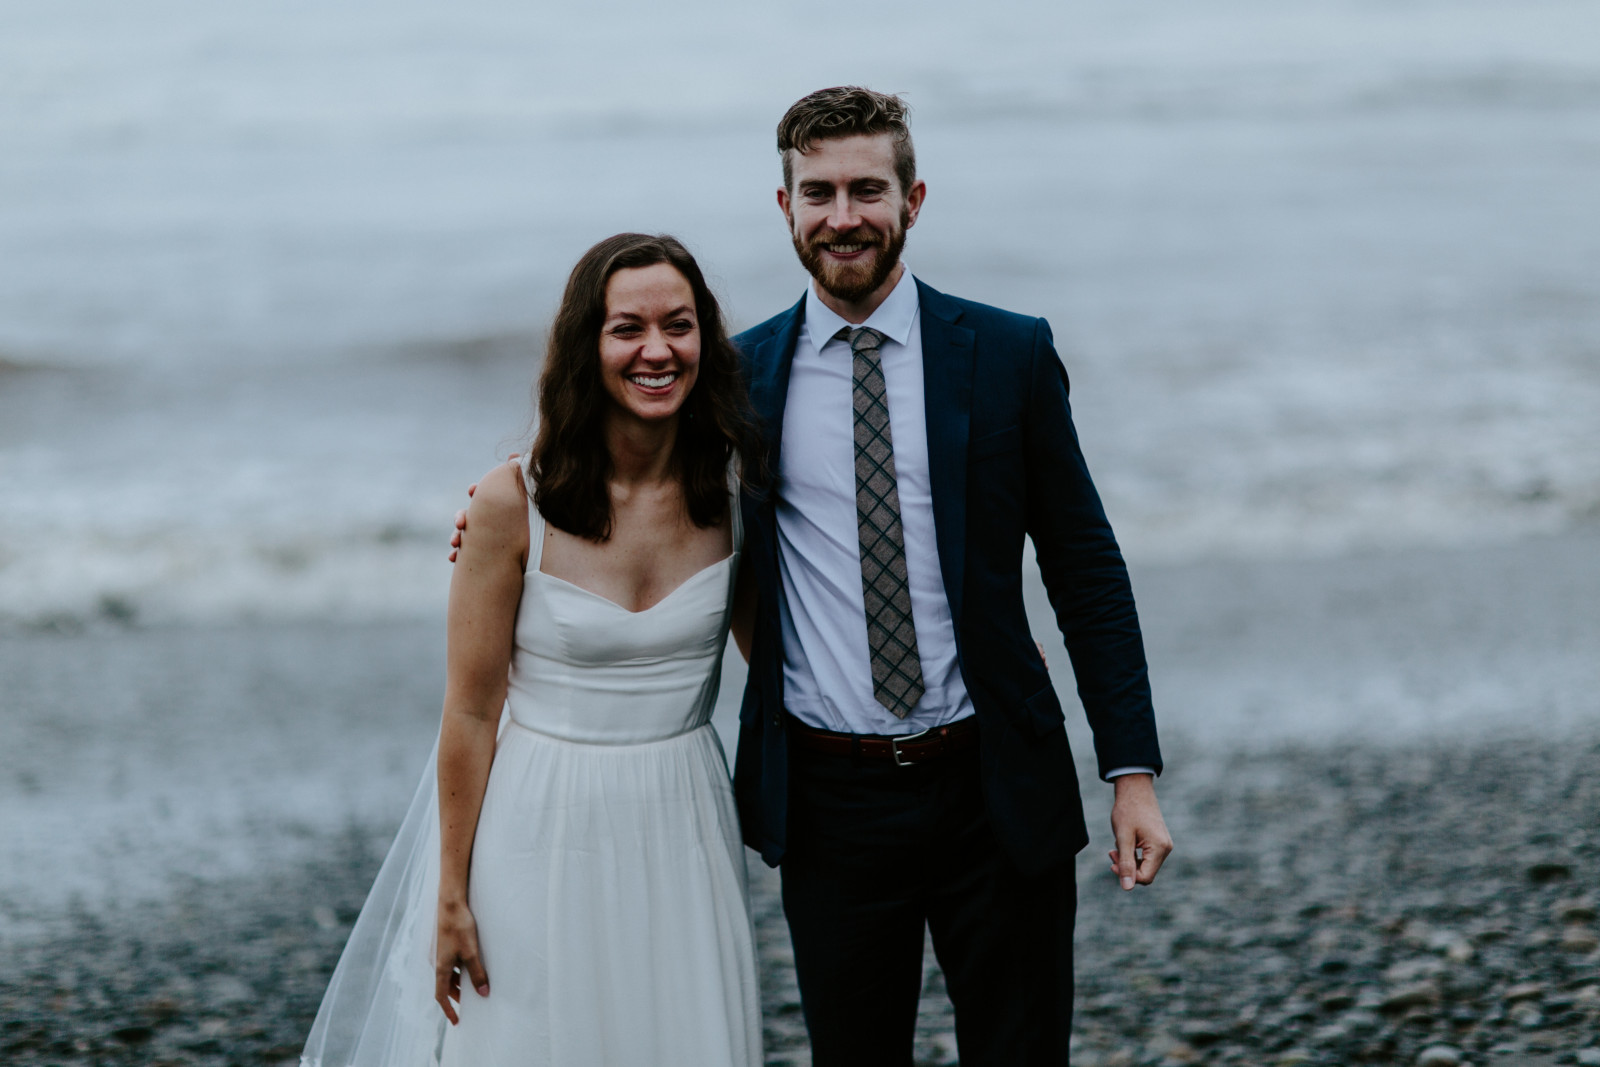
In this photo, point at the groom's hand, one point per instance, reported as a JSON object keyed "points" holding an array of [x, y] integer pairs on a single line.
{"points": [[461, 525], [461, 518], [1141, 833]]}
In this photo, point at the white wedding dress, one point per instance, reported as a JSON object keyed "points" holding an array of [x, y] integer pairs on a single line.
{"points": [[607, 880]]}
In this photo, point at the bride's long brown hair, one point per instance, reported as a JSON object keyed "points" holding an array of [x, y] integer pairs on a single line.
{"points": [[570, 461]]}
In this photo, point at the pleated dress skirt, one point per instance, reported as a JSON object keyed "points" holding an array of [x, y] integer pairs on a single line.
{"points": [[608, 885]]}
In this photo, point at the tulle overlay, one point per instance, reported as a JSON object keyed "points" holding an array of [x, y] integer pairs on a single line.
{"points": [[379, 1009], [608, 878]]}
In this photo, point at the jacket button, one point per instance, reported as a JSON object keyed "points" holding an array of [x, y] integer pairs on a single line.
{"points": [[777, 719]]}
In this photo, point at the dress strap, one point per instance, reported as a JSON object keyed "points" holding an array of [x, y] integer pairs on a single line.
{"points": [[735, 512], [535, 520]]}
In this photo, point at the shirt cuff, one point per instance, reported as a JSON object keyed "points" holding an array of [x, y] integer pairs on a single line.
{"points": [[1120, 771]]}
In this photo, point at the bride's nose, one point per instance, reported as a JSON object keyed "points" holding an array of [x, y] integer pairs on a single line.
{"points": [[656, 347]]}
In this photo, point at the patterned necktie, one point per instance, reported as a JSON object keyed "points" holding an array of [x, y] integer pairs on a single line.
{"points": [[891, 635]]}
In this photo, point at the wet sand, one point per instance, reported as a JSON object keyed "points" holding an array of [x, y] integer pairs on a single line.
{"points": [[1381, 781]]}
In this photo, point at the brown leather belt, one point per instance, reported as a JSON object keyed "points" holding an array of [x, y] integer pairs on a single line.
{"points": [[903, 751]]}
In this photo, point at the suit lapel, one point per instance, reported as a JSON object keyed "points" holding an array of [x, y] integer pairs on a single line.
{"points": [[948, 355], [769, 384]]}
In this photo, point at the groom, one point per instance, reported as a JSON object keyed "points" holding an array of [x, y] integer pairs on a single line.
{"points": [[902, 755]]}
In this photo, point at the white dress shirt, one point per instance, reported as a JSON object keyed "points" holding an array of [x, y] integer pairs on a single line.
{"points": [[827, 673]]}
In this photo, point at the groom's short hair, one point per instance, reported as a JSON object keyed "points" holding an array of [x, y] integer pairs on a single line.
{"points": [[847, 111]]}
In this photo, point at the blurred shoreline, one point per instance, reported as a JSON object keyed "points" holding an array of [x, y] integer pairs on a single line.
{"points": [[132, 755]]}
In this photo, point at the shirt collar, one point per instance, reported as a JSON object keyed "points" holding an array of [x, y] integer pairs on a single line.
{"points": [[893, 318]]}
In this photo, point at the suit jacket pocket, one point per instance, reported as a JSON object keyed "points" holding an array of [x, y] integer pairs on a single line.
{"points": [[1042, 712], [998, 443]]}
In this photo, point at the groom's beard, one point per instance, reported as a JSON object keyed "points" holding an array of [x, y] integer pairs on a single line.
{"points": [[851, 282]]}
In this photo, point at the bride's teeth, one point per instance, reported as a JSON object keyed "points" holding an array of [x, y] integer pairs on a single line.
{"points": [[656, 382]]}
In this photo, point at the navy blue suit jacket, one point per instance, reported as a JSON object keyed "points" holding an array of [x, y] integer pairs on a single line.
{"points": [[1004, 462]]}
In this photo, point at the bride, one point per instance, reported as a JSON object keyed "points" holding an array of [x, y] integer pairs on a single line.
{"points": [[571, 890]]}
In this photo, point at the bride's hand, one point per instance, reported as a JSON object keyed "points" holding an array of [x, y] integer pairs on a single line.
{"points": [[457, 954]]}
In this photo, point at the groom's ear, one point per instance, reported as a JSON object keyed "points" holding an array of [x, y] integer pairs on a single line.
{"points": [[783, 206], [914, 199]]}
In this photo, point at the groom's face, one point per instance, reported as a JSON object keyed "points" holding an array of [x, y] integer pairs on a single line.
{"points": [[847, 214]]}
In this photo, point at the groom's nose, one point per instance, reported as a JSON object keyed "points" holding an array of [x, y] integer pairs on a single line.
{"points": [[842, 215]]}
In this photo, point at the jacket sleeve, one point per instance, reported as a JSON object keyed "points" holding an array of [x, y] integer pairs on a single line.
{"points": [[1084, 573]]}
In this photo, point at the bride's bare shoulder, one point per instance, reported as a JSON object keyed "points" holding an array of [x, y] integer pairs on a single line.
{"points": [[501, 503]]}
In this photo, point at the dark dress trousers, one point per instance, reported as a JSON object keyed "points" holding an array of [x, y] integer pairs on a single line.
{"points": [[1005, 464]]}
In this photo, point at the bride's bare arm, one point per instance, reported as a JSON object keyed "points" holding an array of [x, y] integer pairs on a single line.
{"points": [[484, 591]]}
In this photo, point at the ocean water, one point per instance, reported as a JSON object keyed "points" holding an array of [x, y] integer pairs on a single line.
{"points": [[273, 277]]}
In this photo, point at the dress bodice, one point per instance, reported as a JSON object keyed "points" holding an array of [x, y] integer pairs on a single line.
{"points": [[589, 670]]}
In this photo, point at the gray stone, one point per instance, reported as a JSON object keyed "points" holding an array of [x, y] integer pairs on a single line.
{"points": [[1200, 1034], [1332, 1034], [228, 989], [1577, 939], [1439, 1056], [1588, 1057], [1412, 996], [1528, 1017], [939, 1048], [1451, 944], [1414, 969], [1549, 871], [1360, 1020], [1179, 1054]]}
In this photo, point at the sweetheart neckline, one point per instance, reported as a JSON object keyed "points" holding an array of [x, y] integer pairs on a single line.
{"points": [[642, 611]]}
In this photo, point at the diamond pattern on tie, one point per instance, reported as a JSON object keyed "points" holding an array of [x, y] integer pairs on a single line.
{"points": [[891, 634]]}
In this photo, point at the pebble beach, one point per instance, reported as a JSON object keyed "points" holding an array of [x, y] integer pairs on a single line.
{"points": [[1432, 905]]}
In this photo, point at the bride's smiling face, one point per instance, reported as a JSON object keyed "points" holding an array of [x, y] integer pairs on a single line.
{"points": [[650, 341]]}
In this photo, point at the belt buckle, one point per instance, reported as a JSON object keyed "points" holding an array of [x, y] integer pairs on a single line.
{"points": [[894, 747]]}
